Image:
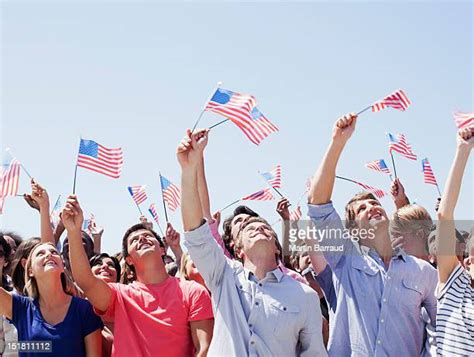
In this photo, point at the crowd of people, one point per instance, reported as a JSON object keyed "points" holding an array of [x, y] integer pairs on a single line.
{"points": [[371, 285]]}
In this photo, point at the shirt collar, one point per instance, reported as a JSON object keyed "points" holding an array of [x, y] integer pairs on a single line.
{"points": [[276, 273], [364, 250]]}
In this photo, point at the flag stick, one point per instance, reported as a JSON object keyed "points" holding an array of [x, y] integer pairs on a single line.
{"points": [[393, 164], [139, 209], [364, 110], [230, 204], [271, 185], [213, 126], [20, 195], [74, 183], [21, 165], [439, 192], [346, 179], [55, 203], [163, 199], [204, 108], [161, 231]]}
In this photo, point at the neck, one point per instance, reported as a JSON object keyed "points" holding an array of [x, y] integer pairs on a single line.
{"points": [[260, 264], [381, 244], [152, 271], [51, 292]]}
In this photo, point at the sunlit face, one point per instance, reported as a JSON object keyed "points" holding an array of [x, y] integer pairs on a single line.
{"points": [[141, 243], [105, 269], [258, 235], [236, 223], [369, 214], [45, 260]]}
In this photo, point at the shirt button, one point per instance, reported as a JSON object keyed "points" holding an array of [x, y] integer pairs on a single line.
{"points": [[260, 284], [389, 277], [252, 342], [256, 303], [384, 300], [382, 320], [379, 342], [284, 309], [250, 325]]}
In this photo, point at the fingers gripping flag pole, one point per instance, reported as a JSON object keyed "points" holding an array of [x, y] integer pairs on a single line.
{"points": [[205, 105]]}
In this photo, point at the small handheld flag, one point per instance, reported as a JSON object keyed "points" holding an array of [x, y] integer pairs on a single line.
{"points": [[138, 193], [154, 214], [377, 192], [54, 216], [273, 177], [378, 165], [397, 100], [10, 179], [100, 159], [296, 214], [262, 195], [463, 120], [428, 174], [171, 194], [401, 146]]}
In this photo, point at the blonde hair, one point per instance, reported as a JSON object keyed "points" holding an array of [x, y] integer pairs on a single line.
{"points": [[31, 285], [411, 219], [185, 259]]}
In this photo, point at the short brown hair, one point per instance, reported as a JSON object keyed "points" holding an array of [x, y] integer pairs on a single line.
{"points": [[245, 223], [350, 213]]}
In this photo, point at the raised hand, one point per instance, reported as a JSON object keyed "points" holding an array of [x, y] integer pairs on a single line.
{"points": [[283, 208], [344, 128], [466, 138], [398, 193], [190, 150], [200, 136], [71, 215], [172, 237], [38, 199], [217, 217]]}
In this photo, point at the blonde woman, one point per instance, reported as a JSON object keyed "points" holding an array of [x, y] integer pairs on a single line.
{"points": [[65, 325]]}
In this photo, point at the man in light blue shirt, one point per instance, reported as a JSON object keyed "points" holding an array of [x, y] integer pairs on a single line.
{"points": [[259, 310], [380, 292]]}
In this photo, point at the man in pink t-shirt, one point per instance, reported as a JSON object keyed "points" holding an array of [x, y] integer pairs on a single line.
{"points": [[157, 314]]}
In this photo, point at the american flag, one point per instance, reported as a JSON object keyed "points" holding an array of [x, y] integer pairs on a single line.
{"points": [[87, 224], [54, 216], [98, 158], [171, 193], [242, 111], [401, 146], [262, 195], [463, 120], [138, 193], [428, 172], [296, 214], [378, 165], [397, 100], [273, 177], [153, 212], [376, 191], [10, 179]]}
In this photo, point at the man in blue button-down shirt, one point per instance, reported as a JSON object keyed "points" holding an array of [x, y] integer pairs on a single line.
{"points": [[380, 292], [259, 310]]}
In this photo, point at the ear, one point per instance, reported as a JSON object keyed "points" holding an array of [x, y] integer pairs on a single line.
{"points": [[30, 273], [23, 262], [128, 260]]}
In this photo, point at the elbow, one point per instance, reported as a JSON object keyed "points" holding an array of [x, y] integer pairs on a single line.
{"points": [[444, 216]]}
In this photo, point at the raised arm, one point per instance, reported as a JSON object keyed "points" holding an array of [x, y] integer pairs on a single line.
{"points": [[173, 239], [399, 197], [201, 176], [40, 199], [96, 290], [323, 181], [446, 252]]}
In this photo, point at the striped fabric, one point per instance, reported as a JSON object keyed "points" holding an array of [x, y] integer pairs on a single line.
{"points": [[463, 120], [138, 193], [378, 165], [100, 159], [10, 179], [242, 111], [397, 100], [455, 317], [296, 214], [153, 212], [171, 193], [262, 195], [401, 146], [273, 177], [377, 192], [428, 175]]}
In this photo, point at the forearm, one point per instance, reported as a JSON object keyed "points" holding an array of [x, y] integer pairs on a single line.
{"points": [[79, 263], [178, 253], [97, 238], [47, 235], [323, 181], [58, 232], [191, 208], [453, 185], [401, 202], [203, 191]]}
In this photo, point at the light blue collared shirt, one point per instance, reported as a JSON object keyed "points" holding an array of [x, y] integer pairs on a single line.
{"points": [[378, 310], [275, 316]]}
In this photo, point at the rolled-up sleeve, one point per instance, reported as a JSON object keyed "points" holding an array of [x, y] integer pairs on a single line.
{"points": [[331, 235], [206, 254]]}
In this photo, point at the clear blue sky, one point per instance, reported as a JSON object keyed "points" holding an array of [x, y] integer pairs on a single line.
{"points": [[137, 75]]}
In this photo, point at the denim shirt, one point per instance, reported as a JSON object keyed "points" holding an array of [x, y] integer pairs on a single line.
{"points": [[378, 309]]}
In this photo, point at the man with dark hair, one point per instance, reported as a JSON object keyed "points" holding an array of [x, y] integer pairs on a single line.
{"points": [[155, 315], [380, 292], [232, 223], [260, 311]]}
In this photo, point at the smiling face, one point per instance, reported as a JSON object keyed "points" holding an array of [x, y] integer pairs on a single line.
{"points": [[256, 236], [369, 214], [105, 270], [44, 261], [142, 242]]}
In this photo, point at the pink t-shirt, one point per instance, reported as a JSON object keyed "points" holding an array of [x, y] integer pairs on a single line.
{"points": [[153, 319]]}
